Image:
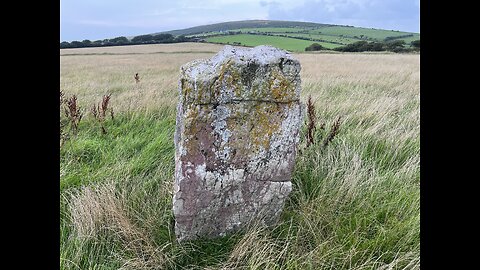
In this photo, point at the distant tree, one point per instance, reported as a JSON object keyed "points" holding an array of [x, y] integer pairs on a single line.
{"points": [[390, 38], [64, 45], [76, 44], [415, 43], [358, 46], [163, 38], [315, 47], [396, 45], [86, 43], [97, 43], [181, 38], [376, 46], [142, 39], [365, 46], [119, 40]]}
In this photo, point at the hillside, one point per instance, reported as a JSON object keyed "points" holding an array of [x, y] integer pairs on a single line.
{"points": [[226, 26], [290, 35]]}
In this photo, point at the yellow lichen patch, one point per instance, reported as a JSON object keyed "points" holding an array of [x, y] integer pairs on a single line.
{"points": [[239, 122], [193, 92], [192, 126], [262, 125], [254, 125], [280, 86], [186, 90], [200, 98], [227, 76]]}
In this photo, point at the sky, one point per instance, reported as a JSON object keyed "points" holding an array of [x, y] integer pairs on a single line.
{"points": [[101, 19]]}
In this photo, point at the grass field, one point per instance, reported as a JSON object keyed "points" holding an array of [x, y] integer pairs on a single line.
{"points": [[335, 32], [377, 34], [235, 25], [328, 34], [327, 38], [290, 44], [276, 29], [355, 203]]}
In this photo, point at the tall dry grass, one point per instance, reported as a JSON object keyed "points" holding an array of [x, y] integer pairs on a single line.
{"points": [[378, 92], [91, 73], [362, 87], [108, 213]]}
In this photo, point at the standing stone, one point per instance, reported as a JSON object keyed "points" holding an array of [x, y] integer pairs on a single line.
{"points": [[236, 136]]}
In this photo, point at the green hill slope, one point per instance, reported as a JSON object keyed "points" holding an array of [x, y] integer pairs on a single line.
{"points": [[286, 43], [290, 35], [225, 26]]}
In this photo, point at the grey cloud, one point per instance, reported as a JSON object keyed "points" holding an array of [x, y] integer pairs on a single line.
{"points": [[387, 14], [269, 3]]}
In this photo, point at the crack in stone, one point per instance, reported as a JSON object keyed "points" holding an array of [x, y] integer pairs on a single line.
{"points": [[236, 101]]}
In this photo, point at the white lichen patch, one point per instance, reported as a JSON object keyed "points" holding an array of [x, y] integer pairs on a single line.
{"points": [[210, 178], [200, 171], [178, 205]]}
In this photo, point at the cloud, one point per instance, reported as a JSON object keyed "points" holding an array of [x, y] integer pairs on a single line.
{"points": [[79, 19], [93, 19], [96, 23], [388, 14], [269, 3]]}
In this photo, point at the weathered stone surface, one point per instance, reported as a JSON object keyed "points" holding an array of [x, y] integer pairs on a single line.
{"points": [[237, 131]]}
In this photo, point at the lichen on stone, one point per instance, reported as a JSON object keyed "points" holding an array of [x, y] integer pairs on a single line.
{"points": [[237, 131]]}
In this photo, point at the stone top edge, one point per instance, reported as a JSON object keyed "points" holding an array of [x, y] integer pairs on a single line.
{"points": [[262, 55]]}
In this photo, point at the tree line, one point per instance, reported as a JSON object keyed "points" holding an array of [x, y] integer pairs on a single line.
{"points": [[397, 46], [121, 41]]}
